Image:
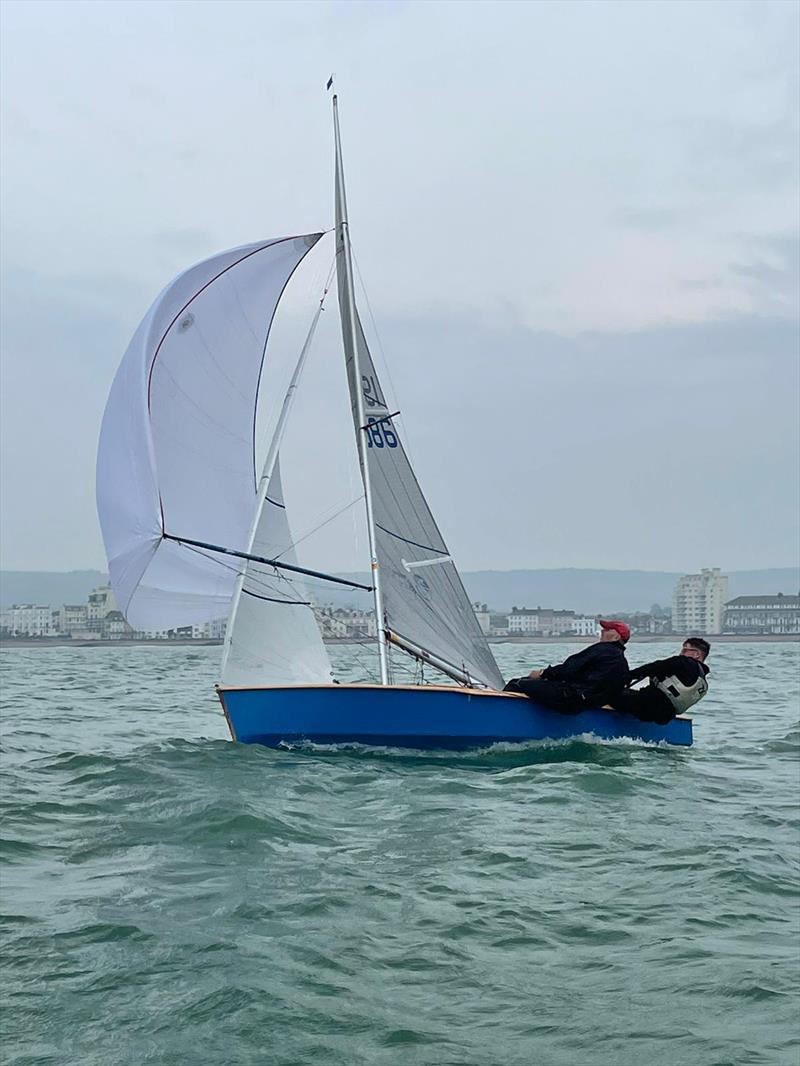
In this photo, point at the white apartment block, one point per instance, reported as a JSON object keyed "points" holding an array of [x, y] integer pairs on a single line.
{"points": [[27, 620], [698, 602], [585, 627]]}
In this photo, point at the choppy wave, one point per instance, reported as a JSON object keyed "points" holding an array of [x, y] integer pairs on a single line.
{"points": [[169, 897]]}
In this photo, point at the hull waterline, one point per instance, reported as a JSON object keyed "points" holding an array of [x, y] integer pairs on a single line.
{"points": [[420, 717]]}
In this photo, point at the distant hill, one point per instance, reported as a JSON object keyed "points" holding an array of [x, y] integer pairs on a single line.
{"points": [[608, 590], [590, 591]]}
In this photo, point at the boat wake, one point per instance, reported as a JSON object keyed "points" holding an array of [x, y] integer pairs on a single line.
{"points": [[582, 748]]}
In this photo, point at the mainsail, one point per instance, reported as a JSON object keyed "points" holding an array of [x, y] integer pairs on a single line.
{"points": [[273, 637], [424, 603], [176, 456]]}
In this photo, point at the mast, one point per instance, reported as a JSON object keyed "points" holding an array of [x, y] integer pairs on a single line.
{"points": [[350, 338]]}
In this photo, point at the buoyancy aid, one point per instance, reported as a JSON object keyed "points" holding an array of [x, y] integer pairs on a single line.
{"points": [[681, 696]]}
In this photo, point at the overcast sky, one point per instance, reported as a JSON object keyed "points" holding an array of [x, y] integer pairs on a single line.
{"points": [[577, 224]]}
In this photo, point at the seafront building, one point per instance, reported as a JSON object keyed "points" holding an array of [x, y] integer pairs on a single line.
{"points": [[763, 615], [27, 619], [699, 607], [484, 617], [546, 622], [345, 624], [72, 618], [541, 622], [698, 602], [101, 603]]}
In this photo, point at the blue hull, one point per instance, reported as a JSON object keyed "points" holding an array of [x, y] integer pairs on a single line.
{"points": [[419, 717]]}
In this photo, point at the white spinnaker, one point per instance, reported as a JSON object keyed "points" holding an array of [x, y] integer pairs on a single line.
{"points": [[274, 637], [177, 452]]}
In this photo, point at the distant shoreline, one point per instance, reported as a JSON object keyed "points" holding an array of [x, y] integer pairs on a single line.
{"points": [[643, 638]]}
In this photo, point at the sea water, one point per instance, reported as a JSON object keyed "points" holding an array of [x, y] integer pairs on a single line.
{"points": [[169, 897]]}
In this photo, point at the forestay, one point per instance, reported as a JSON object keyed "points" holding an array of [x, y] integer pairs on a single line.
{"points": [[274, 638], [177, 444]]}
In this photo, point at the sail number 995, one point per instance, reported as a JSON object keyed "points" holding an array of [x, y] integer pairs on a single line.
{"points": [[380, 434]]}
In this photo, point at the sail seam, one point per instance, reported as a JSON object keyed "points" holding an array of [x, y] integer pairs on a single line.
{"points": [[405, 540], [192, 298]]}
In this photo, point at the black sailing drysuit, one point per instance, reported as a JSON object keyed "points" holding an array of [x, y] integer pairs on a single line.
{"points": [[586, 679]]}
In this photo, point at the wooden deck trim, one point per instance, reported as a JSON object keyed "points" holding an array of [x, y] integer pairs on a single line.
{"points": [[378, 688]]}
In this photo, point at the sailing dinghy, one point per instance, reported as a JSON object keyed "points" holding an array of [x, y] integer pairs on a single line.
{"points": [[194, 530]]}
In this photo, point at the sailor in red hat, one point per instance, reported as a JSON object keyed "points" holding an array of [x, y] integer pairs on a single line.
{"points": [[587, 679]]}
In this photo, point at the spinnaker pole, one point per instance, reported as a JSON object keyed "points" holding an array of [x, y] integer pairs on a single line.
{"points": [[277, 563], [350, 338]]}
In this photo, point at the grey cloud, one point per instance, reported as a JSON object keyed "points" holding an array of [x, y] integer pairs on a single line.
{"points": [[546, 192], [773, 264], [530, 444], [650, 219], [731, 152]]}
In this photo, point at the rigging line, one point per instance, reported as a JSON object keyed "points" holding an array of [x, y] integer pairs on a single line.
{"points": [[255, 579], [274, 599], [316, 529], [320, 307], [372, 648], [377, 421], [268, 562]]}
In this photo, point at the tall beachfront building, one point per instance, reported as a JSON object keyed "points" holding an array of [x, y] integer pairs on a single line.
{"points": [[698, 602]]}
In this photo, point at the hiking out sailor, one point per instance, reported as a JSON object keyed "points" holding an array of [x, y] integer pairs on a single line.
{"points": [[587, 679], [676, 684]]}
